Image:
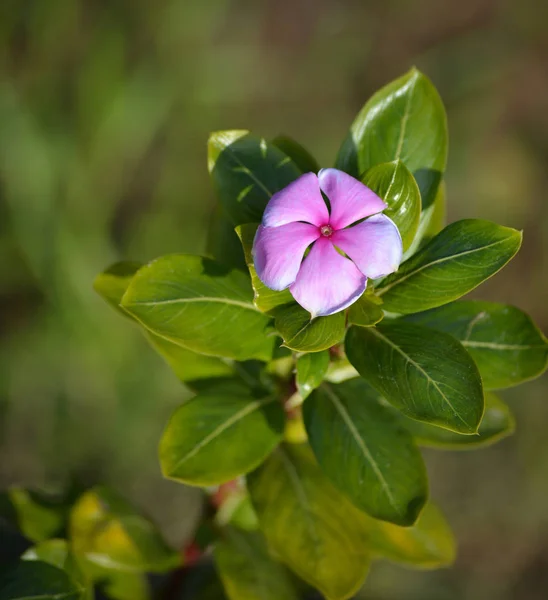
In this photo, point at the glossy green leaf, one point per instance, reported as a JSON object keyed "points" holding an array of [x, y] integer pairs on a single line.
{"points": [[384, 474], [311, 370], [246, 171], [297, 153], [394, 183], [56, 552], [496, 424], [303, 334], [222, 242], [189, 366], [453, 263], [215, 437], [37, 517], [306, 522], [366, 311], [247, 570], [428, 544], [37, 580], [405, 120], [503, 341], [109, 532], [264, 299], [425, 373], [201, 305]]}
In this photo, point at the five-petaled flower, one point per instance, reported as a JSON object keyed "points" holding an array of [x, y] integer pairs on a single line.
{"points": [[326, 281]]}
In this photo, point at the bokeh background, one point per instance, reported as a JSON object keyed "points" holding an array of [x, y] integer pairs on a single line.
{"points": [[105, 109]]}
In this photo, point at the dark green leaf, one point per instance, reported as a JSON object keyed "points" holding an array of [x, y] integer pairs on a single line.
{"points": [[33, 580], [365, 452], [246, 171], [427, 374], [394, 183], [247, 570], [223, 243], [215, 437], [453, 263], [201, 305], [503, 341], [303, 334], [108, 531], [306, 522], [297, 153], [311, 370], [428, 544], [366, 311], [264, 299], [56, 552], [405, 120], [496, 424]]}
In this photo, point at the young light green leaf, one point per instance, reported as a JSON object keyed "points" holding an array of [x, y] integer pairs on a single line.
{"points": [[215, 437], [201, 305], [107, 531], [394, 183], [307, 522], [366, 311], [264, 299], [303, 334], [453, 263], [496, 424], [37, 517], [405, 120], [247, 570], [428, 544], [503, 341], [425, 373], [297, 153], [365, 452], [246, 171], [56, 552], [113, 282], [32, 580], [311, 370]]}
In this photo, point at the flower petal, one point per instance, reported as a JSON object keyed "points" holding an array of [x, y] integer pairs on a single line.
{"points": [[350, 199], [374, 245], [278, 252], [301, 200], [327, 281]]}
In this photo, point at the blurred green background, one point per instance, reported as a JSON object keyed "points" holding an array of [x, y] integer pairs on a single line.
{"points": [[105, 109]]}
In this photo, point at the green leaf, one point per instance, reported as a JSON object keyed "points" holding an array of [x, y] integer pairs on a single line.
{"points": [[303, 334], [366, 311], [453, 263], [56, 552], [297, 153], [311, 370], [427, 374], [215, 437], [366, 453], [112, 283], [428, 544], [405, 120], [223, 243], [247, 570], [120, 585], [189, 366], [496, 424], [306, 522], [503, 341], [108, 531], [394, 183], [201, 305], [246, 171], [264, 299], [37, 517], [33, 580]]}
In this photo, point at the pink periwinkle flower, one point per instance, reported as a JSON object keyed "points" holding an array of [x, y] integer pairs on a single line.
{"points": [[297, 217]]}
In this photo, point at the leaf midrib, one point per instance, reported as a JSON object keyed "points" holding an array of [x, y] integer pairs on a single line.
{"points": [[497, 346], [218, 300], [441, 260], [383, 338]]}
